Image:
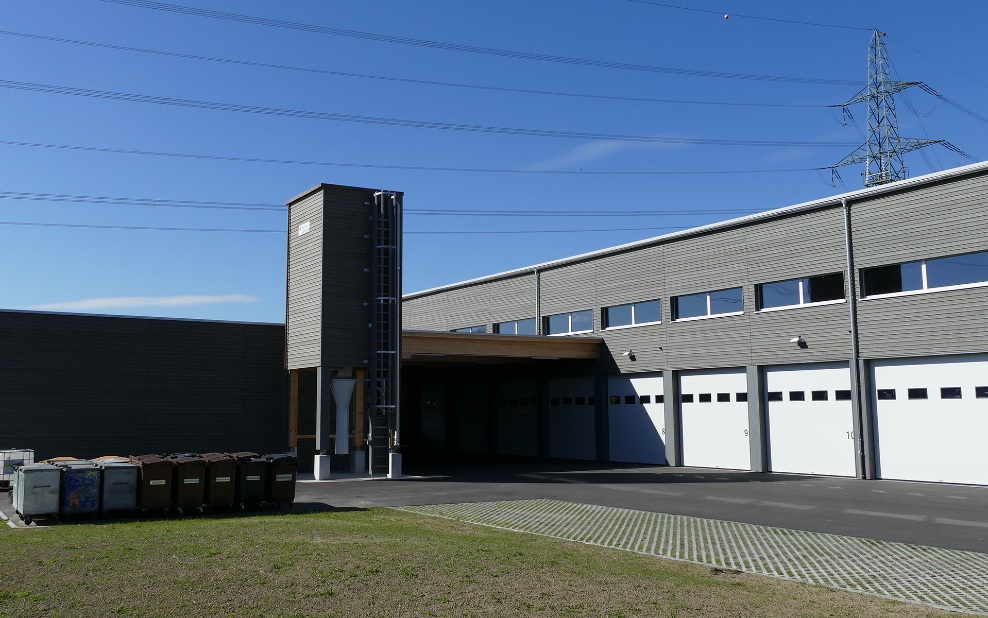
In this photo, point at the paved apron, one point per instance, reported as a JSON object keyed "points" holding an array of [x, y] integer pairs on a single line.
{"points": [[945, 578]]}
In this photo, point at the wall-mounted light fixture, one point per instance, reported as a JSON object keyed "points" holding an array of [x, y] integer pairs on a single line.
{"points": [[630, 354], [799, 341]]}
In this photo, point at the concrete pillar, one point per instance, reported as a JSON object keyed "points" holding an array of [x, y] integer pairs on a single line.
{"points": [[673, 418], [756, 419]]}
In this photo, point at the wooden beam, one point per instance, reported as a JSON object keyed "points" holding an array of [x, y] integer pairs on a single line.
{"points": [[426, 346]]}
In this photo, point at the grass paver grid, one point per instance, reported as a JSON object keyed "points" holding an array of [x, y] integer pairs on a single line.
{"points": [[945, 578]]}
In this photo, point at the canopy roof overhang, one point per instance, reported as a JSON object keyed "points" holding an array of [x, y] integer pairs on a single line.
{"points": [[429, 348]]}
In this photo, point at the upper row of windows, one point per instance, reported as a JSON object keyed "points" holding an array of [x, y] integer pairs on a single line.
{"points": [[939, 273]]}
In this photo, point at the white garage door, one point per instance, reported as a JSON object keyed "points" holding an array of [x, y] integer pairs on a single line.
{"points": [[517, 414], [931, 418], [715, 419], [636, 419], [810, 421], [572, 427]]}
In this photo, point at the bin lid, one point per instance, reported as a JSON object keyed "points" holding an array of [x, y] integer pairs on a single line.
{"points": [[186, 461], [117, 464], [38, 466], [216, 457], [182, 456], [281, 458], [243, 455]]}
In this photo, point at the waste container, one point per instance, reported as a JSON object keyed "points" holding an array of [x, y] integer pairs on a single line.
{"points": [[9, 459], [189, 483], [154, 486], [80, 488], [221, 475], [282, 474], [251, 479], [119, 484], [36, 490]]}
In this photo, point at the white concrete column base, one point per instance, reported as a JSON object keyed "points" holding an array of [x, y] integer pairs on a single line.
{"points": [[321, 468], [394, 465]]}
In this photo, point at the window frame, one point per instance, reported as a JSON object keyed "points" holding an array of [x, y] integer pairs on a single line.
{"points": [[496, 328], [605, 315], [470, 330], [803, 294], [674, 305], [569, 321], [926, 289]]}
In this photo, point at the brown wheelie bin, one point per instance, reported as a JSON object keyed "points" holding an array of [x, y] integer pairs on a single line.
{"points": [[221, 477], [251, 475], [282, 474], [154, 488], [188, 489]]}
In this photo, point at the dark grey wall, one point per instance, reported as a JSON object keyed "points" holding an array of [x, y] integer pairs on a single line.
{"points": [[87, 386]]}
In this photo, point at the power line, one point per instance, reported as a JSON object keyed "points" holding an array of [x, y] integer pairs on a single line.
{"points": [[282, 67], [472, 49], [932, 59], [137, 227], [467, 212], [742, 16], [394, 122], [424, 168]]}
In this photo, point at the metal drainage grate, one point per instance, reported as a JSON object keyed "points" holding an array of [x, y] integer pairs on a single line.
{"points": [[944, 578]]}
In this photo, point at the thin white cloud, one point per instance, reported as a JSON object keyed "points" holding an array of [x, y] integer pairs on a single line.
{"points": [[594, 151], [133, 302]]}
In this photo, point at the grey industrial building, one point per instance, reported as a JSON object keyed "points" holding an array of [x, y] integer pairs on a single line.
{"points": [[844, 336]]}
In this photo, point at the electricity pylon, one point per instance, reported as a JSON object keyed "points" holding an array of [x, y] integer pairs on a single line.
{"points": [[882, 153]]}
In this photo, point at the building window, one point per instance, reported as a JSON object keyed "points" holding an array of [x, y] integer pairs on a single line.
{"points": [[799, 292], [775, 396], [629, 399], [633, 314], [797, 396], [662, 398], [950, 392], [706, 304], [516, 327], [916, 393], [938, 273], [704, 397], [819, 395], [470, 329], [688, 398], [886, 394], [981, 392], [643, 399], [569, 323], [842, 395], [723, 397], [740, 397]]}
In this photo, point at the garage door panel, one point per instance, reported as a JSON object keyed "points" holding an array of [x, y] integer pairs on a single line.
{"points": [[517, 419], [572, 418], [715, 419], [636, 419], [810, 427], [930, 423]]}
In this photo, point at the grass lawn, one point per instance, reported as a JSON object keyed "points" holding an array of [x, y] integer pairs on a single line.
{"points": [[378, 562]]}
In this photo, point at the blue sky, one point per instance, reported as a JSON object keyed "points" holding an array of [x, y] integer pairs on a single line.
{"points": [[675, 74]]}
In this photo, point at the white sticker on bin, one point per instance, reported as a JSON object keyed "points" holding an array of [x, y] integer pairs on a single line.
{"points": [[191, 481], [222, 479], [158, 482], [283, 477], [253, 477]]}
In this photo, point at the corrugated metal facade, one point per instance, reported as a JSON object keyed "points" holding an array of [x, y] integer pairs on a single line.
{"points": [[921, 220], [89, 385]]}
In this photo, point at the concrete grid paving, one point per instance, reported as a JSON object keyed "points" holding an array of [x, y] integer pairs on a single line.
{"points": [[944, 578]]}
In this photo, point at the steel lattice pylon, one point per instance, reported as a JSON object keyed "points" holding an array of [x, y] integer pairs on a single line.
{"points": [[883, 153]]}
